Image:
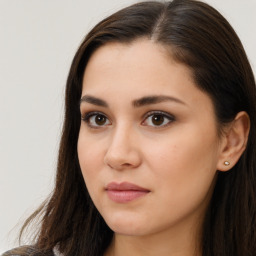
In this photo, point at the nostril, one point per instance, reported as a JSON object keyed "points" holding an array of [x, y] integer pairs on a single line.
{"points": [[126, 164]]}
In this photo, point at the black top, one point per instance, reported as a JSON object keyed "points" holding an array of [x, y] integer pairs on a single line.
{"points": [[27, 251]]}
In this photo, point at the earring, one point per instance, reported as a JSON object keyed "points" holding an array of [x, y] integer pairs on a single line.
{"points": [[226, 163]]}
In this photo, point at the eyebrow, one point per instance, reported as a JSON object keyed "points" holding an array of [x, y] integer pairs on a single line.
{"points": [[94, 101], [147, 100], [154, 99]]}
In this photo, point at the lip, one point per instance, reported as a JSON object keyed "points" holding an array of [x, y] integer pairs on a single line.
{"points": [[125, 192]]}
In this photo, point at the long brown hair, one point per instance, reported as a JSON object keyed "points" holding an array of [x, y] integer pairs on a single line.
{"points": [[198, 36]]}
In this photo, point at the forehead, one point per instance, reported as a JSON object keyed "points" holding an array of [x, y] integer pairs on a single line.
{"points": [[141, 46], [140, 60]]}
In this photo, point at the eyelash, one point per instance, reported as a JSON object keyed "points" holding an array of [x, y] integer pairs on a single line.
{"points": [[88, 116], [163, 114], [168, 119]]}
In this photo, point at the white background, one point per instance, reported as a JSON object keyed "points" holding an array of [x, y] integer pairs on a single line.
{"points": [[38, 39]]}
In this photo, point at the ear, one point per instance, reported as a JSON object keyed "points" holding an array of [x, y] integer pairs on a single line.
{"points": [[234, 141]]}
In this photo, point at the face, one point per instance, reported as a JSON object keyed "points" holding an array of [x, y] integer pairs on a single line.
{"points": [[148, 145]]}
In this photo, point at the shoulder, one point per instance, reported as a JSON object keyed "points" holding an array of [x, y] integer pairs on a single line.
{"points": [[26, 251]]}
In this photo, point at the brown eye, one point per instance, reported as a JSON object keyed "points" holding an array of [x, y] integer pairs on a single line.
{"points": [[96, 120], [158, 119], [100, 120]]}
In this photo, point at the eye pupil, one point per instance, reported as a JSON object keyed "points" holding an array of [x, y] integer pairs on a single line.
{"points": [[157, 119], [100, 119]]}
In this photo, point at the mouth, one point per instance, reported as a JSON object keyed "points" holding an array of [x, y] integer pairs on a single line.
{"points": [[125, 192]]}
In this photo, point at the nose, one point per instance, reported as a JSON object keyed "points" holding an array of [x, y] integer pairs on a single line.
{"points": [[123, 151]]}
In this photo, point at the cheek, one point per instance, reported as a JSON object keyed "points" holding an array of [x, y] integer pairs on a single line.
{"points": [[90, 164], [182, 155], [185, 164], [89, 156]]}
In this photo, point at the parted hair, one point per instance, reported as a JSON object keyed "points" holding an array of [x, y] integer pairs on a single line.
{"points": [[198, 36]]}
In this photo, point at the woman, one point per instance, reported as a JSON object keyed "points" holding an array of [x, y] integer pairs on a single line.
{"points": [[157, 151]]}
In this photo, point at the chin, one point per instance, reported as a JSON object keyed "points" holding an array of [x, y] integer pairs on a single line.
{"points": [[128, 230], [127, 226]]}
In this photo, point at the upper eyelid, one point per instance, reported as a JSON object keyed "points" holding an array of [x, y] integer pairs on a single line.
{"points": [[154, 112], [92, 113], [88, 114], [151, 112]]}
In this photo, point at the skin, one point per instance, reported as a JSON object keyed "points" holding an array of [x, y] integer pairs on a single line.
{"points": [[176, 160]]}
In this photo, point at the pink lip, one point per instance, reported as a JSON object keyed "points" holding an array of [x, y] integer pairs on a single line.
{"points": [[124, 192]]}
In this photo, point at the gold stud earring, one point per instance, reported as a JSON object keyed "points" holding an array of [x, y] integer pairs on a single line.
{"points": [[226, 163]]}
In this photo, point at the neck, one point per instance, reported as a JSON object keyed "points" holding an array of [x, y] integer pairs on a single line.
{"points": [[180, 243]]}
